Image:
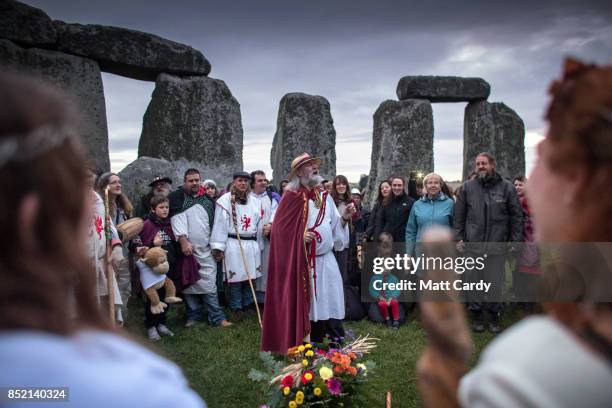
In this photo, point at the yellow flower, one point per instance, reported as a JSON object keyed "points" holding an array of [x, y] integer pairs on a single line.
{"points": [[299, 395], [286, 390], [362, 366], [292, 404], [309, 353], [305, 362], [326, 373], [299, 401], [317, 391], [308, 346], [308, 376], [301, 348]]}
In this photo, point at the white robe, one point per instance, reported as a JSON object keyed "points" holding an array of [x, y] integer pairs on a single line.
{"points": [[249, 220], [97, 248], [193, 224], [268, 209], [329, 300]]}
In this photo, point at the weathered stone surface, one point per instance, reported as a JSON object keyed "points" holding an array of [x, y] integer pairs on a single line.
{"points": [[402, 142], [194, 122], [497, 129], [137, 175], [363, 182], [26, 25], [443, 88], [304, 124], [80, 78], [130, 53]]}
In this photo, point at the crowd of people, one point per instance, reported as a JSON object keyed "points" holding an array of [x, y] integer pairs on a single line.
{"points": [[288, 255]]}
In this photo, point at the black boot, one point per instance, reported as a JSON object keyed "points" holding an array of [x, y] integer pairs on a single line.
{"points": [[477, 324], [494, 326]]}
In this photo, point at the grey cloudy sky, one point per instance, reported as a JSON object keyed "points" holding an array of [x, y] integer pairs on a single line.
{"points": [[353, 53]]}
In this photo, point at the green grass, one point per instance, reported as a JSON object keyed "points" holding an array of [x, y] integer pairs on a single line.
{"points": [[216, 361]]}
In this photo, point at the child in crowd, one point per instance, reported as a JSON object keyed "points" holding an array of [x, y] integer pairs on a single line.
{"points": [[157, 231], [386, 298]]}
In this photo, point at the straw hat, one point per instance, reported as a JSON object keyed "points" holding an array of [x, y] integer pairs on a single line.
{"points": [[301, 160]]}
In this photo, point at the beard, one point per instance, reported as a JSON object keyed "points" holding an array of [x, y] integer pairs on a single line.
{"points": [[482, 175], [312, 180]]}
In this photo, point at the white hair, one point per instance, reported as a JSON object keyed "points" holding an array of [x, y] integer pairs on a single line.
{"points": [[432, 175], [297, 180]]}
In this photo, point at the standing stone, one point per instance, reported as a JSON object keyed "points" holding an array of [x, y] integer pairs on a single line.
{"points": [[137, 175], [26, 25], [80, 79], [402, 142], [304, 124], [130, 53], [443, 88], [194, 122], [497, 129], [363, 182]]}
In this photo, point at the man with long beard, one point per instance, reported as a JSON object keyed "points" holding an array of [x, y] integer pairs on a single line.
{"points": [[304, 296]]}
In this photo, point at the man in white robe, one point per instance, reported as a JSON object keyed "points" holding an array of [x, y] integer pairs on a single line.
{"points": [[237, 239], [192, 213], [259, 185]]}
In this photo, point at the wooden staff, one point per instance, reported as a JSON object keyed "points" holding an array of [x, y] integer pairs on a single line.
{"points": [[244, 262], [109, 268]]}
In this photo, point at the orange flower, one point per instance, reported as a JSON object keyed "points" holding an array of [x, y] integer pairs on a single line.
{"points": [[352, 355], [336, 358], [338, 369], [352, 371]]}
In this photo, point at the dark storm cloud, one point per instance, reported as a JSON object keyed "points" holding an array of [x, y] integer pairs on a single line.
{"points": [[353, 53]]}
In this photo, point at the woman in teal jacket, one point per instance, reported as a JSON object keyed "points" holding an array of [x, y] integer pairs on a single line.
{"points": [[434, 208]]}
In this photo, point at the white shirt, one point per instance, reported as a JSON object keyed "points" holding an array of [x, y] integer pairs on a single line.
{"points": [[100, 369], [148, 277], [538, 363], [193, 223]]}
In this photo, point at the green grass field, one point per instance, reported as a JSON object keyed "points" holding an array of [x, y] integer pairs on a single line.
{"points": [[217, 361]]}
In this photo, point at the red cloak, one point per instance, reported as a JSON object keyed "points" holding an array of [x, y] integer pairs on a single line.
{"points": [[287, 306]]}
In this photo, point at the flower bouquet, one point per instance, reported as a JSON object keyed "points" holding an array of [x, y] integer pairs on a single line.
{"points": [[317, 375]]}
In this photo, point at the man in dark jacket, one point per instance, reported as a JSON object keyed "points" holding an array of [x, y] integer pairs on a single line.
{"points": [[487, 215], [395, 212]]}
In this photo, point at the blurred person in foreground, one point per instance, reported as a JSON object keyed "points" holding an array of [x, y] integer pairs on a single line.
{"points": [[52, 332], [562, 359]]}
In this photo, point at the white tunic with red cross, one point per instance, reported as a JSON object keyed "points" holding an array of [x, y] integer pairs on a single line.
{"points": [[250, 228]]}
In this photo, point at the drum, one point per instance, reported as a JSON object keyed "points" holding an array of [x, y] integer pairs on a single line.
{"points": [[130, 229]]}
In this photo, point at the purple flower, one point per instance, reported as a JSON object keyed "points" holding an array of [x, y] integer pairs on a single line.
{"points": [[350, 334], [334, 386]]}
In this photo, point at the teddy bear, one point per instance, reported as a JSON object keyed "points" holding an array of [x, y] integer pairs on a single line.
{"points": [[153, 268]]}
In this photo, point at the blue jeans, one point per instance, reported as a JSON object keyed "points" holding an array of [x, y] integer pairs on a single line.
{"points": [[240, 295], [194, 304]]}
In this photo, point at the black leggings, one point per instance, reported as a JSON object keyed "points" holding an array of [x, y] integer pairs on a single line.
{"points": [[152, 320], [332, 327]]}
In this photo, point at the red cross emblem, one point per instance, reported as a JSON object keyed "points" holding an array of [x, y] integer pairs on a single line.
{"points": [[245, 221], [99, 227]]}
